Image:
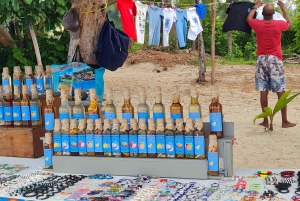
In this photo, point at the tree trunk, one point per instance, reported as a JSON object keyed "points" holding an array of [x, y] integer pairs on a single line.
{"points": [[202, 66], [19, 36], [90, 27], [5, 38], [213, 32], [230, 42]]}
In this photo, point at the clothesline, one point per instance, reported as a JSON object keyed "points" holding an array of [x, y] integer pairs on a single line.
{"points": [[169, 3]]}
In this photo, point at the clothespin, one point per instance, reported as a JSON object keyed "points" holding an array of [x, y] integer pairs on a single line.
{"points": [[163, 7], [149, 4], [175, 8]]}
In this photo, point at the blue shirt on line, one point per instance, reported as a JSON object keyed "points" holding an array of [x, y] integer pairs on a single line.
{"points": [[201, 10], [154, 19], [181, 26]]}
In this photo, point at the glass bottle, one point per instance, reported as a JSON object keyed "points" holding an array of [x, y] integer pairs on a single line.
{"points": [[194, 107], [213, 156], [98, 138], [189, 139], [81, 137], [158, 107], [25, 107], [64, 109], [179, 139], [107, 138], [17, 107], [35, 107], [170, 139], [18, 78], [127, 108], [133, 138], [48, 151], [57, 138], [65, 138], [115, 139], [142, 140], [90, 142], [39, 79], [78, 109], [124, 139], [74, 138], [215, 114], [93, 109], [160, 139], [2, 114], [49, 112], [151, 140], [176, 109], [48, 78], [8, 104], [28, 78], [143, 108], [199, 140], [110, 109], [6, 79]]}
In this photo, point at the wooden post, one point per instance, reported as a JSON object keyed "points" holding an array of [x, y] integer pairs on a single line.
{"points": [[213, 32], [35, 45], [5, 38], [230, 42], [202, 66]]}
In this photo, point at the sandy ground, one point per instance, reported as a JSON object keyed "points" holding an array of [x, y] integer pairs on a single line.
{"points": [[254, 147]]}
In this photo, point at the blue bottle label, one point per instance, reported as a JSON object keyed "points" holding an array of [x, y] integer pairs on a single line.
{"points": [[199, 145], [213, 161], [98, 143], [49, 121], [63, 116], [81, 143], [143, 115], [158, 115], [77, 116], [17, 113], [49, 83], [189, 145], [8, 114], [5, 82], [160, 144], [65, 142], [1, 113], [26, 113], [215, 121], [109, 115], [40, 85], [106, 144], [90, 143], [48, 153], [74, 143], [194, 115], [170, 149], [124, 143], [57, 142], [127, 116], [115, 144], [17, 82], [133, 144], [93, 116], [34, 112], [142, 144], [151, 142], [179, 144], [176, 116], [28, 82]]}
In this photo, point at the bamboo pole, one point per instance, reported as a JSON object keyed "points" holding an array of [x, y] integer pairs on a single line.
{"points": [[213, 32], [35, 45]]}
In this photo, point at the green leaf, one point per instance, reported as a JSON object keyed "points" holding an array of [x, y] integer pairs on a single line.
{"points": [[262, 115], [268, 111], [283, 103], [281, 100], [27, 1]]}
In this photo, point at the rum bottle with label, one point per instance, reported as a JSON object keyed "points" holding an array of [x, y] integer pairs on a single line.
{"points": [[199, 140], [48, 78], [48, 151], [65, 138], [170, 139], [90, 142], [39, 79], [142, 140], [2, 114], [194, 107], [213, 156], [78, 109], [93, 109], [28, 78], [133, 138], [107, 138], [143, 108], [18, 78], [17, 107], [57, 138], [215, 114], [64, 109], [179, 139], [35, 107], [110, 109], [151, 140], [74, 138], [176, 109], [158, 107], [127, 108], [81, 137], [49, 112], [98, 137], [8, 107], [6, 79], [124, 138], [160, 139], [189, 139], [115, 139], [25, 107]]}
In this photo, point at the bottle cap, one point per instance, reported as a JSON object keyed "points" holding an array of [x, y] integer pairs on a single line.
{"points": [[81, 121], [92, 91], [77, 92], [49, 92], [5, 70], [28, 69], [142, 124], [199, 124], [90, 121], [17, 68], [124, 121], [73, 122], [48, 68], [124, 125], [16, 89], [160, 121], [25, 88], [133, 121], [98, 122], [142, 121], [65, 121], [189, 121], [157, 89], [57, 121], [170, 124], [189, 125], [106, 121], [151, 124], [116, 121]]}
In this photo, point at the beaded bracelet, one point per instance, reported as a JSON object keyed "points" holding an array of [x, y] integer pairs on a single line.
{"points": [[287, 174]]}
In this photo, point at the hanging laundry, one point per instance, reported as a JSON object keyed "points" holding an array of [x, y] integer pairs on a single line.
{"points": [[201, 10], [180, 25], [140, 21], [127, 10], [154, 19], [195, 25], [169, 16], [237, 15], [276, 16]]}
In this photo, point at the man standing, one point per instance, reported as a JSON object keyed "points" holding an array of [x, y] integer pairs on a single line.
{"points": [[269, 75]]}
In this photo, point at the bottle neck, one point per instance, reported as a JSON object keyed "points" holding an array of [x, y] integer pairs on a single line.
{"points": [[34, 95], [64, 102], [215, 99], [175, 100], [17, 96], [109, 102], [142, 101], [127, 102], [194, 100]]}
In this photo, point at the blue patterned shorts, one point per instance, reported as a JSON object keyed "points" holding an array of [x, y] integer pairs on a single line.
{"points": [[269, 74]]}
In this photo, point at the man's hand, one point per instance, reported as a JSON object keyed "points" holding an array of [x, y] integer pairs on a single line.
{"points": [[284, 13], [258, 4], [280, 4]]}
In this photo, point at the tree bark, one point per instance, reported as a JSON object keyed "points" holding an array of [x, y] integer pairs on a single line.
{"points": [[213, 32], [90, 26], [5, 38], [202, 65], [230, 42]]}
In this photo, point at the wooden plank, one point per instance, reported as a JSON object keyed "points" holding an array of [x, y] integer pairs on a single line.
{"points": [[36, 46]]}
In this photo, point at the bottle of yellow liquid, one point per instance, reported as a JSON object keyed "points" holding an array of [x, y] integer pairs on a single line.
{"points": [[93, 109], [110, 109], [107, 138], [189, 139], [179, 139], [127, 108], [90, 138], [160, 139], [213, 156], [194, 107], [142, 141], [176, 108], [124, 138]]}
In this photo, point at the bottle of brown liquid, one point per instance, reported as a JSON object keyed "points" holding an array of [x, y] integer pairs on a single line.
{"points": [[57, 138], [142, 140], [160, 139], [93, 109], [213, 156], [133, 139], [48, 151], [17, 107], [82, 137], [98, 138], [25, 107], [189, 139], [215, 114], [176, 109], [90, 142], [29, 77], [107, 138], [74, 138], [199, 140], [151, 140], [127, 108], [49, 112], [18, 79], [179, 139], [35, 107], [124, 138], [8, 107]]}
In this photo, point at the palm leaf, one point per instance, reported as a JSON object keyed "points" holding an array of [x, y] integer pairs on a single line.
{"points": [[282, 104], [281, 100], [262, 115], [268, 111]]}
